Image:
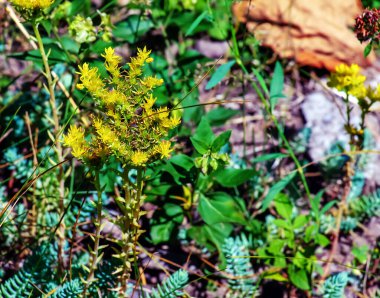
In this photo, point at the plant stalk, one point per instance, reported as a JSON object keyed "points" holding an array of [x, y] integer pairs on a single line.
{"points": [[58, 147]]}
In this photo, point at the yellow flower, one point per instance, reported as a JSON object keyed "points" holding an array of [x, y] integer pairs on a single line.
{"points": [[374, 93], [33, 4], [348, 78], [112, 62], [90, 80], [152, 82], [139, 158], [75, 140], [149, 102], [129, 128], [164, 149]]}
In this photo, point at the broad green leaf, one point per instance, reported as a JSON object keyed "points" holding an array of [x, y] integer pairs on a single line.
{"points": [[161, 232], [282, 224], [220, 115], [196, 22], [300, 221], [132, 28], [233, 177], [322, 240], [211, 236], [276, 246], [199, 145], [276, 85], [275, 189], [220, 208], [220, 141], [269, 156], [299, 277], [183, 161], [283, 206], [204, 132], [219, 74]]}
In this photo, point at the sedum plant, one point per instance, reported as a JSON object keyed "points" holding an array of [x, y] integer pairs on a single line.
{"points": [[130, 129]]}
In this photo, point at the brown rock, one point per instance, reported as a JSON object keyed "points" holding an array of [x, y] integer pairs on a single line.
{"points": [[315, 33]]}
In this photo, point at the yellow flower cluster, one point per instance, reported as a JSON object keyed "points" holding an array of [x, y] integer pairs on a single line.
{"points": [[32, 4], [128, 126], [348, 78]]}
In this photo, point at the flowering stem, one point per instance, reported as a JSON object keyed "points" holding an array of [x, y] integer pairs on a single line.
{"points": [[58, 147], [131, 228], [98, 224]]}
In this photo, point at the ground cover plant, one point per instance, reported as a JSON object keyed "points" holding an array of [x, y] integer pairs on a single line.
{"points": [[121, 170]]}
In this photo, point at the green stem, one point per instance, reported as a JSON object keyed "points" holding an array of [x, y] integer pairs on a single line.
{"points": [[235, 49], [279, 129], [98, 224], [131, 227], [58, 146]]}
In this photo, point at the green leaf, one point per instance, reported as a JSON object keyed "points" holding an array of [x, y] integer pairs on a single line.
{"points": [[220, 141], [196, 22], [161, 232], [269, 156], [219, 207], [299, 277], [183, 161], [282, 224], [220, 115], [300, 221], [315, 202], [219, 74], [276, 246], [275, 189], [367, 49], [276, 85], [233, 177], [134, 27], [261, 81], [199, 145], [275, 276], [322, 240], [283, 206], [328, 206], [204, 132], [211, 236], [360, 253]]}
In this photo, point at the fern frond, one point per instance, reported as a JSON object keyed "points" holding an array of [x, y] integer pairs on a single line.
{"points": [[172, 286], [334, 286], [238, 266]]}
